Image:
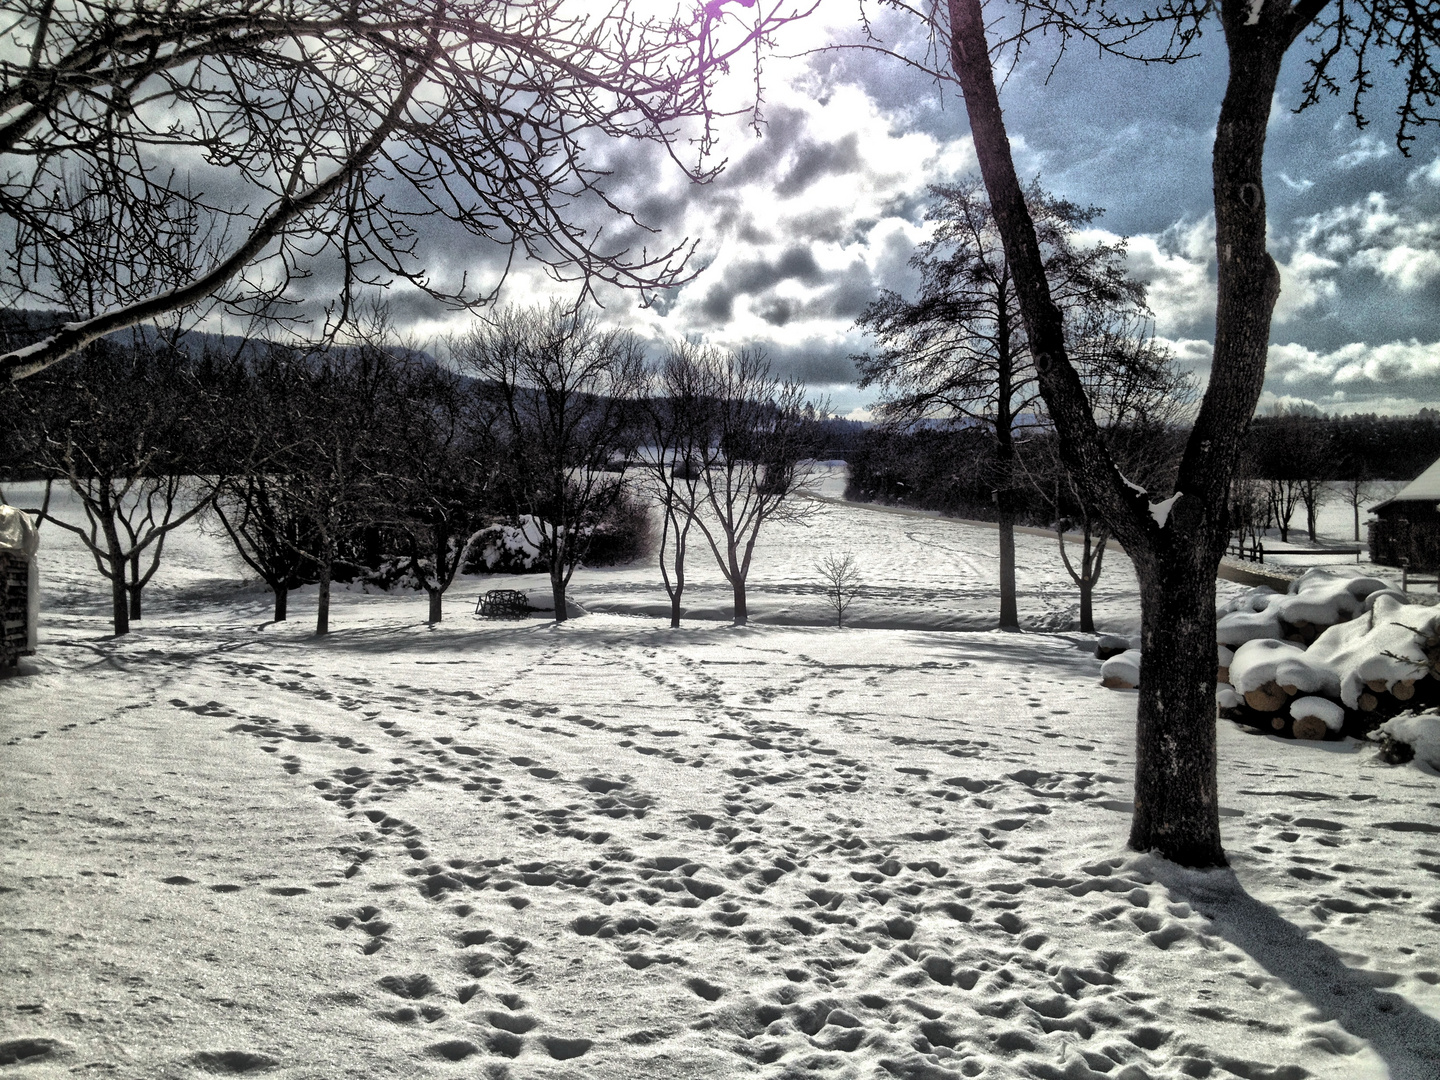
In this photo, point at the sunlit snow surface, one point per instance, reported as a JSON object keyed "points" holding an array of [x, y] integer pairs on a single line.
{"points": [[610, 849]]}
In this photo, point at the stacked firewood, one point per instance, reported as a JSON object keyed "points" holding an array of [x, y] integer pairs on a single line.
{"points": [[1317, 681], [1334, 656], [14, 605]]}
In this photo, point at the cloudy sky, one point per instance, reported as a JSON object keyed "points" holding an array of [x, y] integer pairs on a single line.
{"points": [[824, 207]]}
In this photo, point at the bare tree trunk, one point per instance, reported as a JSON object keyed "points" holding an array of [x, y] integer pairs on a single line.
{"points": [[118, 599], [442, 571], [322, 608], [135, 587], [557, 590], [116, 560], [282, 598], [737, 588], [1005, 458], [1009, 611]]}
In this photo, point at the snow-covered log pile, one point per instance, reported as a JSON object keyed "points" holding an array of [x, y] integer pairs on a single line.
{"points": [[1369, 656], [1336, 655]]}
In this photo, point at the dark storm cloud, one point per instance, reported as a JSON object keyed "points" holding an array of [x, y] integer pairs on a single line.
{"points": [[756, 276], [784, 127], [814, 160]]}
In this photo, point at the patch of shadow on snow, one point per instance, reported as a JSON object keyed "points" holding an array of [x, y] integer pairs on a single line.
{"points": [[1407, 1039]]}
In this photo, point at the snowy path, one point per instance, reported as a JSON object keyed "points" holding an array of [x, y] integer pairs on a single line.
{"points": [[613, 850]]}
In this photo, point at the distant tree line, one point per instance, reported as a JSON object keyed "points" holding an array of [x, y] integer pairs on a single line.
{"points": [[946, 468], [367, 459]]}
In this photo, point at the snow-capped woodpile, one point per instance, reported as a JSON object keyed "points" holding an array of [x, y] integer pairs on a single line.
{"points": [[1335, 655]]}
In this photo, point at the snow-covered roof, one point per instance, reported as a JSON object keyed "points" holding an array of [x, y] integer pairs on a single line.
{"points": [[1424, 488]]}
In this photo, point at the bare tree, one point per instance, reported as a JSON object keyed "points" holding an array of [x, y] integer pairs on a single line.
{"points": [[344, 421], [336, 133], [269, 529], [1176, 553], [958, 352], [258, 504], [1142, 400], [564, 391], [117, 426], [1282, 496], [841, 578], [754, 461], [441, 469], [676, 416], [1355, 491]]}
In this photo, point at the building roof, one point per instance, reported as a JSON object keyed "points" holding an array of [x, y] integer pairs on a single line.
{"points": [[1424, 488]]}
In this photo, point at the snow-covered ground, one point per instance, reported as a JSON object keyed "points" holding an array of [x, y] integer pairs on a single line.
{"points": [[610, 849]]}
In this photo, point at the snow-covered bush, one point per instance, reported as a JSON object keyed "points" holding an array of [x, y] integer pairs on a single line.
{"points": [[507, 549], [1420, 732]]}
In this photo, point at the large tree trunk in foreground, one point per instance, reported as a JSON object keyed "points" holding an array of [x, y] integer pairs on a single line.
{"points": [[282, 599], [436, 599], [1177, 806], [1176, 797]]}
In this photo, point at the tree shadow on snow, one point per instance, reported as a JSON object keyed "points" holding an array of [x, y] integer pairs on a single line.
{"points": [[1405, 1038]]}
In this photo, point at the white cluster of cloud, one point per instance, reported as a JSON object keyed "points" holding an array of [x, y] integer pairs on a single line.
{"points": [[823, 208], [1373, 234]]}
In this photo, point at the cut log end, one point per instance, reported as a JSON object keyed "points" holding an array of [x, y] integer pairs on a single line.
{"points": [[1404, 690], [1278, 723], [1377, 686], [1266, 698], [1114, 682], [1222, 673], [1309, 727], [1368, 702]]}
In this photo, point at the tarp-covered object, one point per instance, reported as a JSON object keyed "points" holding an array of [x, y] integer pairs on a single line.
{"points": [[18, 532], [19, 541]]}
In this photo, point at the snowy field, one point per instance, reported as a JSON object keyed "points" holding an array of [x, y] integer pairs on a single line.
{"points": [[610, 849]]}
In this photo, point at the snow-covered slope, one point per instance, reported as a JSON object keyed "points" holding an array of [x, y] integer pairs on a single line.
{"points": [[613, 850]]}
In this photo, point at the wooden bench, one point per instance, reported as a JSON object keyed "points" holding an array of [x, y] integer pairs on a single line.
{"points": [[503, 604]]}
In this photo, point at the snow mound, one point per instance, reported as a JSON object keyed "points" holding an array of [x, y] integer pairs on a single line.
{"points": [[1260, 662], [1323, 597], [1421, 732], [1111, 645], [1122, 672], [1327, 712], [1385, 647], [1318, 598]]}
